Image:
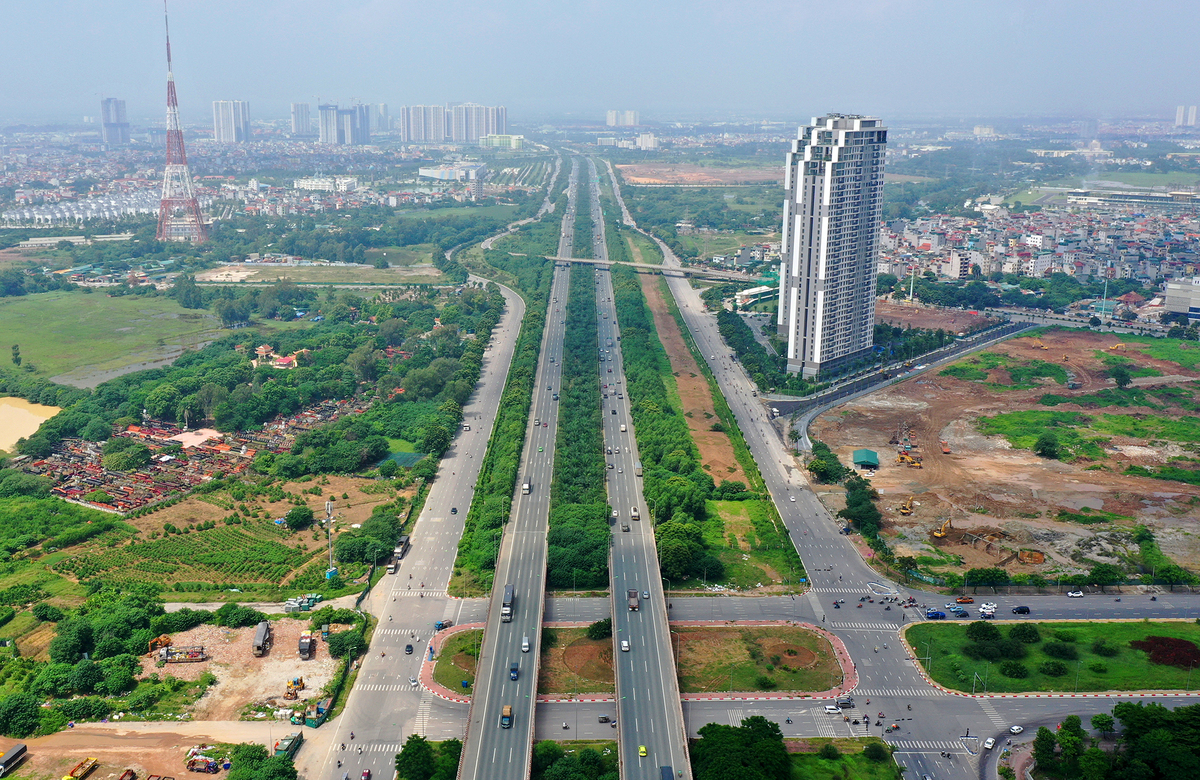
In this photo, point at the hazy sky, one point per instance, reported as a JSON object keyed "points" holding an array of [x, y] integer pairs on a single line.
{"points": [[766, 58]]}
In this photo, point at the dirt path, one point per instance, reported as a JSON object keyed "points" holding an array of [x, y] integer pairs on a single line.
{"points": [[716, 451]]}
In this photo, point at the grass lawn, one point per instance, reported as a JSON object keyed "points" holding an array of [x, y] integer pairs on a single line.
{"points": [[761, 659], [724, 243], [576, 664], [473, 211], [63, 331], [340, 274], [1129, 670], [456, 660], [746, 540], [1136, 179], [852, 765], [403, 255]]}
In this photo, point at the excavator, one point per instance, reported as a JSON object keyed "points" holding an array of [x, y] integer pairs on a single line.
{"points": [[1038, 343], [908, 460], [159, 642], [907, 507], [941, 532], [1119, 345]]}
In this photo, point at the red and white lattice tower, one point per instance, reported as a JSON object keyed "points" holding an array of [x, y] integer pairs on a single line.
{"points": [[178, 214]]}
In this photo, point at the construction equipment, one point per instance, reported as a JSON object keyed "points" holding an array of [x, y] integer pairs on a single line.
{"points": [[1119, 345], [907, 507], [941, 532], [945, 446], [128, 774], [182, 655], [82, 769], [307, 646], [159, 642], [1038, 343], [1066, 358], [908, 460], [294, 686]]}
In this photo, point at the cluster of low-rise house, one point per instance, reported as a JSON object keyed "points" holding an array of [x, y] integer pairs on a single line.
{"points": [[181, 459]]}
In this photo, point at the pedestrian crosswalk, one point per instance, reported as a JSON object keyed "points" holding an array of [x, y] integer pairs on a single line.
{"points": [[736, 717], [865, 626], [829, 726], [988, 709], [415, 593], [405, 632], [405, 686], [382, 747], [421, 724], [920, 744], [869, 692], [839, 590]]}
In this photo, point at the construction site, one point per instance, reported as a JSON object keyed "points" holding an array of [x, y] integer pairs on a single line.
{"points": [[962, 488]]}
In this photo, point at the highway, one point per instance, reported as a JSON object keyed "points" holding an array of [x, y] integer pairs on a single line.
{"points": [[648, 708], [490, 750]]}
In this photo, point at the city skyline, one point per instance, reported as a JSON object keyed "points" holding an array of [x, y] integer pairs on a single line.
{"points": [[111, 49]]}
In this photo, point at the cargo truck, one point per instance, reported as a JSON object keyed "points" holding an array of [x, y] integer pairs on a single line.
{"points": [[526, 486], [402, 545], [289, 744], [82, 769], [634, 602], [262, 638], [307, 647], [506, 717], [506, 606], [182, 655], [637, 468]]}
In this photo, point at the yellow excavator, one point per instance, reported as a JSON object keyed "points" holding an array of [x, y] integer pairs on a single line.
{"points": [[941, 532], [1118, 345], [908, 460], [907, 507], [1038, 343]]}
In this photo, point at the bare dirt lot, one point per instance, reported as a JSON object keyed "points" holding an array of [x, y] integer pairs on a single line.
{"points": [[243, 679], [659, 173], [576, 664], [1004, 502], [917, 316], [716, 451]]}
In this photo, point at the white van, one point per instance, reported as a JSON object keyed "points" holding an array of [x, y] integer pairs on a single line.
{"points": [[622, 427], [525, 645]]}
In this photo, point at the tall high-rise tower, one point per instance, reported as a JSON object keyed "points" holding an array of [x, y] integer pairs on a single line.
{"points": [[178, 213], [300, 122], [114, 129], [231, 121], [834, 186]]}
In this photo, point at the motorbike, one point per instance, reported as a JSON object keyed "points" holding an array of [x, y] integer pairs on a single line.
{"points": [[837, 605], [888, 608], [910, 708], [858, 605], [1154, 598], [565, 724]]}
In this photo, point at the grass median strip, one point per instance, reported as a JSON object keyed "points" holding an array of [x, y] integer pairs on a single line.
{"points": [[786, 658], [456, 660], [572, 663]]}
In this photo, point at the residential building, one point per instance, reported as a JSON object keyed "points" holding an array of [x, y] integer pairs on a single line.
{"points": [[327, 183], [1183, 297], [647, 141], [1179, 115], [831, 218], [1191, 117], [231, 121], [300, 122], [380, 121], [623, 119], [468, 122], [327, 123], [114, 128]]}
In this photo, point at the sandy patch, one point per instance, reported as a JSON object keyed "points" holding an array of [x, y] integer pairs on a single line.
{"points": [[659, 173]]}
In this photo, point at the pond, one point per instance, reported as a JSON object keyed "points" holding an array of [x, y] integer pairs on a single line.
{"points": [[19, 418]]}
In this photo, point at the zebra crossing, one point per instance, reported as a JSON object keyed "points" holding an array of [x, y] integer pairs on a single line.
{"points": [[920, 744], [385, 687], [379, 747], [877, 692], [412, 594], [421, 724], [827, 726], [423, 631], [866, 626], [990, 710], [840, 590]]}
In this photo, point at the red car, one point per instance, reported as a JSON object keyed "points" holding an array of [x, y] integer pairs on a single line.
{"points": [[366, 775]]}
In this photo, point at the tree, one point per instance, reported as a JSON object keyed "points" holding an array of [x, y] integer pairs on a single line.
{"points": [[545, 754], [16, 354], [347, 643], [1025, 632], [1173, 574], [1103, 574], [416, 760], [983, 631], [877, 752], [989, 576], [1043, 749], [299, 518], [1094, 321], [187, 293], [1104, 723], [47, 612], [1047, 446], [601, 629], [19, 715], [388, 469], [1120, 375], [906, 563], [1093, 764], [829, 752]]}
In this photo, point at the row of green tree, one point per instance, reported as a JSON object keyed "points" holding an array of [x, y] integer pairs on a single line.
{"points": [[577, 547], [674, 483], [1154, 743], [768, 371], [860, 509], [477, 549], [15, 281]]}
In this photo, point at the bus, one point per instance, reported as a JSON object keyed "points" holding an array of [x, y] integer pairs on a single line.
{"points": [[11, 758], [506, 607]]}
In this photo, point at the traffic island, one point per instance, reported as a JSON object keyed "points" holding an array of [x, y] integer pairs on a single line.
{"points": [[455, 651], [759, 660], [575, 667], [1056, 658]]}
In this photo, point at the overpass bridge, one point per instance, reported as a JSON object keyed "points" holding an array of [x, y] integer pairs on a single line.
{"points": [[666, 270]]}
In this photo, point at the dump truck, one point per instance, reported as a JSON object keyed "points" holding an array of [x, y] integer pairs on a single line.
{"points": [[263, 636], [316, 713], [945, 446], [307, 646], [634, 600], [128, 774], [289, 744], [82, 769], [183, 655]]}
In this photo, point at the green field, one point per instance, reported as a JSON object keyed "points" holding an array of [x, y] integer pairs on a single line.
{"points": [[359, 274], [1134, 179], [403, 255], [456, 660], [471, 211], [851, 765], [724, 243], [750, 545], [63, 332], [1024, 374], [1119, 667]]}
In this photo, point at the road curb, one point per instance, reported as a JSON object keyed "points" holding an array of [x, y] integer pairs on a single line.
{"points": [[425, 677]]}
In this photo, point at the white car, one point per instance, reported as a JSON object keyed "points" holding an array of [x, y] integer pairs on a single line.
{"points": [[989, 743], [832, 710], [624, 645], [792, 498], [1015, 729], [988, 605], [1075, 594]]}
